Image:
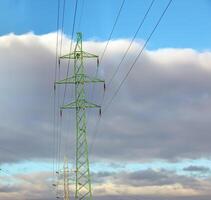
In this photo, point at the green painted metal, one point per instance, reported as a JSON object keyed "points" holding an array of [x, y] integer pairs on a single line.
{"points": [[79, 79]]}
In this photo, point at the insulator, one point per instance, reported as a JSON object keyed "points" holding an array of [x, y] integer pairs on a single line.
{"points": [[60, 113], [59, 62], [57, 172], [54, 86], [100, 112], [104, 86], [54, 184], [98, 62]]}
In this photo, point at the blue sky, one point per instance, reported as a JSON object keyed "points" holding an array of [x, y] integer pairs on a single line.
{"points": [[186, 24], [36, 166]]}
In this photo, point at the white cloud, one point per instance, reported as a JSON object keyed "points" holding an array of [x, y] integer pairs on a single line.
{"points": [[163, 107]]}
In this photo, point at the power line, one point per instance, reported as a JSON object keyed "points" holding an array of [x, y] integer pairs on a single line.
{"points": [[54, 101], [68, 66], [131, 42], [136, 59], [59, 138], [108, 41], [62, 28], [118, 67], [73, 30], [109, 38], [112, 30], [129, 46], [58, 135], [59, 121], [141, 51]]}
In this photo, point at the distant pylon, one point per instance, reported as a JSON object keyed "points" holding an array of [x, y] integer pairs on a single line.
{"points": [[66, 180], [79, 79], [62, 185]]}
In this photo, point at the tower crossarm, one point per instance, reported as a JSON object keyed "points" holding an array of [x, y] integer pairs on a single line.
{"points": [[80, 104], [75, 54], [80, 78]]}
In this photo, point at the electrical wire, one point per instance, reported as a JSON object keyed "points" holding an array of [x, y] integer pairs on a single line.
{"points": [[128, 48], [58, 132], [112, 30], [131, 42], [59, 73], [106, 46], [73, 30], [59, 138], [108, 41], [54, 101], [137, 57], [131, 67], [62, 28]]}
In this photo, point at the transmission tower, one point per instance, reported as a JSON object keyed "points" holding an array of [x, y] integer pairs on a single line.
{"points": [[80, 104], [66, 180], [62, 185]]}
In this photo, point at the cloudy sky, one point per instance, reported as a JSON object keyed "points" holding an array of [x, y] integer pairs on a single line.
{"points": [[153, 141]]}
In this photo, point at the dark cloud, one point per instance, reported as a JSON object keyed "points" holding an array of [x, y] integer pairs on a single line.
{"points": [[148, 178], [201, 169], [8, 189]]}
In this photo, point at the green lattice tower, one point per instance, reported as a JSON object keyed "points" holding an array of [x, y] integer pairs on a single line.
{"points": [[79, 79]]}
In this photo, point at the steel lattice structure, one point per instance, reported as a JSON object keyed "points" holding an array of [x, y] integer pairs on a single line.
{"points": [[66, 180], [62, 185], [79, 79]]}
